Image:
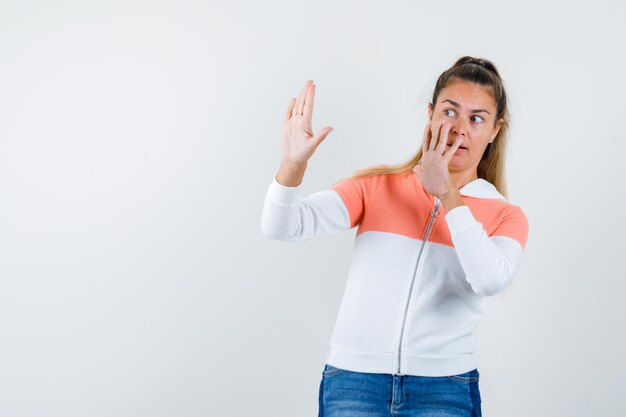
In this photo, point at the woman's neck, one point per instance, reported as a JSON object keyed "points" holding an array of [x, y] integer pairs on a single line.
{"points": [[460, 179]]}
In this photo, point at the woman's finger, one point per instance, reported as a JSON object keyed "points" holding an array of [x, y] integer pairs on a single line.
{"points": [[435, 137], [290, 109], [302, 98], [295, 110], [308, 105], [443, 138], [425, 138], [450, 153]]}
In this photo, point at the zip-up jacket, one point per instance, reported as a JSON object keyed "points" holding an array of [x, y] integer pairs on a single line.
{"points": [[418, 274]]}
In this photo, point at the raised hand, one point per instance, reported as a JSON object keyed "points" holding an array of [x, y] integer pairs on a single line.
{"points": [[298, 141], [436, 155]]}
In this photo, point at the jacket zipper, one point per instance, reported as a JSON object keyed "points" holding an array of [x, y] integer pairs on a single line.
{"points": [[433, 213]]}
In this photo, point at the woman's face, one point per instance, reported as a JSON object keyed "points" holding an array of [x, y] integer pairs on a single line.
{"points": [[471, 110]]}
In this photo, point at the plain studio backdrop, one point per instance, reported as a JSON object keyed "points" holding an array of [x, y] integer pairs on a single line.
{"points": [[137, 142]]}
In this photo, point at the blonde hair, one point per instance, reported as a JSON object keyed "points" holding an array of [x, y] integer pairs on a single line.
{"points": [[491, 166]]}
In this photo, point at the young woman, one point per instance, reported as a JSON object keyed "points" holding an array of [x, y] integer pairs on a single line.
{"points": [[435, 236]]}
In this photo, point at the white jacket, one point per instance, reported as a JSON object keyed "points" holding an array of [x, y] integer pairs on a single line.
{"points": [[412, 300]]}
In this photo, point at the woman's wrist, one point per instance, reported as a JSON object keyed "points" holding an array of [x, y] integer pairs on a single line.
{"points": [[290, 173], [452, 199]]}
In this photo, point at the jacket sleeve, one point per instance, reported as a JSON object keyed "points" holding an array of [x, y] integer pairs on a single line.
{"points": [[340, 207], [489, 262], [356, 193], [289, 218]]}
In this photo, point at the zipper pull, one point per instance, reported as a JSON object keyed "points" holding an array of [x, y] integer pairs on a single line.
{"points": [[435, 211]]}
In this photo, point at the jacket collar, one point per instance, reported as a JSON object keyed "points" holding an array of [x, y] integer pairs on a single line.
{"points": [[481, 188], [478, 188]]}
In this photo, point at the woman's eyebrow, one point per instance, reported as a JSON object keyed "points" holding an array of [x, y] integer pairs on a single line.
{"points": [[455, 104]]}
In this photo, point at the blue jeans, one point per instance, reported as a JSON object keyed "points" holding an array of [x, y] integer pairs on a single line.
{"points": [[345, 393]]}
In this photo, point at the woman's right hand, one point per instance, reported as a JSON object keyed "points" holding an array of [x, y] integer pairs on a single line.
{"points": [[297, 139]]}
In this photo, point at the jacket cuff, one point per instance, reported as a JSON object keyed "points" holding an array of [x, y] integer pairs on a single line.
{"points": [[459, 218], [282, 194]]}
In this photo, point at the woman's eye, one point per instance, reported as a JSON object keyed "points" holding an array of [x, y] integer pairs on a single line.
{"points": [[480, 119]]}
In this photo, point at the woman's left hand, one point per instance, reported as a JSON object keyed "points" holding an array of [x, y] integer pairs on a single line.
{"points": [[433, 169]]}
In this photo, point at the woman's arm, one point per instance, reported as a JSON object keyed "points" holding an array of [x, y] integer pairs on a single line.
{"points": [[489, 263], [286, 217]]}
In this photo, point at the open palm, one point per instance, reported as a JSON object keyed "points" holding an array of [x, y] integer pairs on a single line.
{"points": [[434, 174], [298, 141]]}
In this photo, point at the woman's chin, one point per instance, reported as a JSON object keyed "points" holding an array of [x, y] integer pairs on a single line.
{"points": [[457, 165]]}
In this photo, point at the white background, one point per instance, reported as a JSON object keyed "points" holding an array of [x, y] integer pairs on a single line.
{"points": [[137, 141]]}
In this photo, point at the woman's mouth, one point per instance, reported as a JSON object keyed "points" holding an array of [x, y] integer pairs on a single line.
{"points": [[459, 149]]}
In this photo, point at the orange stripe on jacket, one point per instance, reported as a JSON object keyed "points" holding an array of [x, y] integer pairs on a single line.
{"points": [[397, 203]]}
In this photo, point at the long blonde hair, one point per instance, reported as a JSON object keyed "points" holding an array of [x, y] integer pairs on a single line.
{"points": [[491, 166]]}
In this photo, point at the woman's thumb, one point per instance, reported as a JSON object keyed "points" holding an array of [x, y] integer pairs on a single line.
{"points": [[321, 135]]}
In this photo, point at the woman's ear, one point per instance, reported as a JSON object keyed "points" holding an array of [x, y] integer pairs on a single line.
{"points": [[496, 129], [430, 112]]}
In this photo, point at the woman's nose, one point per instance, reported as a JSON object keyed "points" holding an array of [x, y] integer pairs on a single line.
{"points": [[458, 127]]}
